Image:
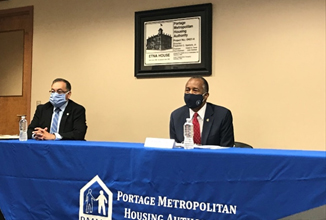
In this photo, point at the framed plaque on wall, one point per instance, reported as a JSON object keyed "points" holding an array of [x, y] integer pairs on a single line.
{"points": [[174, 41]]}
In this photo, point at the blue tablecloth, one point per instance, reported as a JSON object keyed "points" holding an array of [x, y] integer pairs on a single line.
{"points": [[86, 180]]}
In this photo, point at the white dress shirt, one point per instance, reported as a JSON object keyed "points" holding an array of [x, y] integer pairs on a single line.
{"points": [[200, 117], [62, 108]]}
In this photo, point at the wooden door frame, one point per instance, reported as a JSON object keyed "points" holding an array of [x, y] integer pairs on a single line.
{"points": [[26, 14]]}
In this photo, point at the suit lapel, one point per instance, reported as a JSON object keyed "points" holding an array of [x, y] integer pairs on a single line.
{"points": [[208, 122], [64, 117], [184, 115], [48, 116]]}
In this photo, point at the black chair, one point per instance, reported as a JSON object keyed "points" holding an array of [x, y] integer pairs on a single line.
{"points": [[242, 145], [1, 216]]}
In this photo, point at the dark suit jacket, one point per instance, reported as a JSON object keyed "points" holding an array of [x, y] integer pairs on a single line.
{"points": [[73, 122], [217, 127]]}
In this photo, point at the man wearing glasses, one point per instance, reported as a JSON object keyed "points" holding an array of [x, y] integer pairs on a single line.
{"points": [[60, 118]]}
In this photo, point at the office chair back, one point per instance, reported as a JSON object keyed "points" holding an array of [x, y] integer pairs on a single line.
{"points": [[242, 145], [1, 216]]}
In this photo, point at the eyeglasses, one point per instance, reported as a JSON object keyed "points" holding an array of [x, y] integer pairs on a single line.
{"points": [[59, 91]]}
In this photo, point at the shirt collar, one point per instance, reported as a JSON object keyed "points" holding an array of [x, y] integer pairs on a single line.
{"points": [[201, 112], [62, 107]]}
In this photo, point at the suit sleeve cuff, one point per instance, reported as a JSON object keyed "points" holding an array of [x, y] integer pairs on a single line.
{"points": [[57, 136]]}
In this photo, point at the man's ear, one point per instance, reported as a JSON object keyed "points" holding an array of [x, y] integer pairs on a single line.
{"points": [[206, 95], [68, 95]]}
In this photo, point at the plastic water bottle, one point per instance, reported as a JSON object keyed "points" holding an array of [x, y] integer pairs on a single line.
{"points": [[23, 128], [188, 133]]}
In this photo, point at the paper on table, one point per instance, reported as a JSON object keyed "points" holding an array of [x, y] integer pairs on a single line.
{"points": [[8, 137], [210, 147], [159, 142], [181, 145]]}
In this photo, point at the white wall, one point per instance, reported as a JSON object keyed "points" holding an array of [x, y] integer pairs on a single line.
{"points": [[268, 68]]}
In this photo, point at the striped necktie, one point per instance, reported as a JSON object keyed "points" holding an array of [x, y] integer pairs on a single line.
{"points": [[196, 129], [54, 125]]}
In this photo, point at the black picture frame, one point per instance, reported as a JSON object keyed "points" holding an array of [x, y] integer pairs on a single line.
{"points": [[188, 25]]}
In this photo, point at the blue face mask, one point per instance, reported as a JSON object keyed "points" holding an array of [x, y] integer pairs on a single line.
{"points": [[57, 100], [193, 100]]}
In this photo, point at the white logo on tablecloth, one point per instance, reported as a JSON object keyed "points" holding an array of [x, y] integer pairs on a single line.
{"points": [[95, 200]]}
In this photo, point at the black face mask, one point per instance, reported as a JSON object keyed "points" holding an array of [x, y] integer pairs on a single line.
{"points": [[193, 100]]}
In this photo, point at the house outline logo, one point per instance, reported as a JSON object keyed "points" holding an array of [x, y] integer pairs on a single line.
{"points": [[103, 202]]}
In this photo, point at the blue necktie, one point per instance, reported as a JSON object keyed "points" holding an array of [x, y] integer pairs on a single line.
{"points": [[54, 126]]}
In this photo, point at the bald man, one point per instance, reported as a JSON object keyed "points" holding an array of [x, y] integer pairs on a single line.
{"points": [[215, 122]]}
